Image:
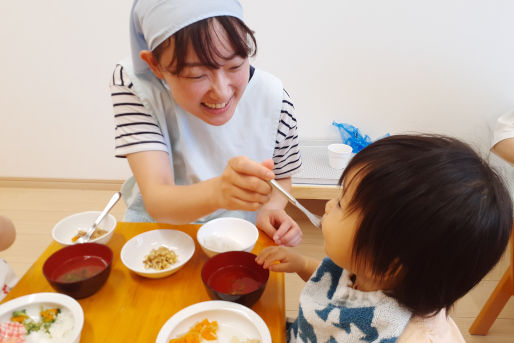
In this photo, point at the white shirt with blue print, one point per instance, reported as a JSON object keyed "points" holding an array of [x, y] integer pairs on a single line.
{"points": [[331, 311]]}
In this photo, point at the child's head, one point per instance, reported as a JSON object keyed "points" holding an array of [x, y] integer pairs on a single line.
{"points": [[427, 213], [200, 48]]}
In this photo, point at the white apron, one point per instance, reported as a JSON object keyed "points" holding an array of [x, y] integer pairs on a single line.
{"points": [[200, 151]]}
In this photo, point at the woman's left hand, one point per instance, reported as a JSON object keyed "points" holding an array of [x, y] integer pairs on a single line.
{"points": [[279, 226]]}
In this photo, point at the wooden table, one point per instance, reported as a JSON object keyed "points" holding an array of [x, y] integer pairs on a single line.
{"points": [[131, 308]]}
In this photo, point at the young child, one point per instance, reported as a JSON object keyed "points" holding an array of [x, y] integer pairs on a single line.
{"points": [[420, 220], [7, 276], [200, 127]]}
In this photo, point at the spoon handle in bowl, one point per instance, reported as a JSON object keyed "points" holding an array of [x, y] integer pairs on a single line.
{"points": [[110, 204], [91, 230]]}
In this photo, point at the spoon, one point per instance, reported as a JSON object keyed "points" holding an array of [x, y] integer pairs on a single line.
{"points": [[92, 228], [315, 220]]}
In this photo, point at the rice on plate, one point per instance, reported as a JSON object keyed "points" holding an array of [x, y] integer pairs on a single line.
{"points": [[41, 318]]}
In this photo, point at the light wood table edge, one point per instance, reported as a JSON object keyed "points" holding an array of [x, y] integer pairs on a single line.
{"points": [[311, 191]]}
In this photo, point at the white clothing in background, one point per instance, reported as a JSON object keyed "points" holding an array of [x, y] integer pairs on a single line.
{"points": [[8, 278], [504, 128]]}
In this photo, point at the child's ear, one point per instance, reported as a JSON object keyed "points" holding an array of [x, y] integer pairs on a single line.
{"points": [[149, 59], [395, 272]]}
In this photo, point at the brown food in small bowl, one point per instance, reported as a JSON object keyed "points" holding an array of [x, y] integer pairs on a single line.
{"points": [[96, 234], [235, 276], [79, 270]]}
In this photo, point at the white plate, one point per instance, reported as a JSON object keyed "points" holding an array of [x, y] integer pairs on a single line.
{"points": [[233, 320], [134, 251], [50, 300]]}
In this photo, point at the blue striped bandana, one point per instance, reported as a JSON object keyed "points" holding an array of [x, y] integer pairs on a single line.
{"points": [[153, 21]]}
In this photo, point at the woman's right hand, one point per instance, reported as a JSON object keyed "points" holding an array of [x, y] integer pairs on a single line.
{"points": [[244, 184]]}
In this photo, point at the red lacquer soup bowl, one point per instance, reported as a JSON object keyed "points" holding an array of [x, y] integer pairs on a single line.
{"points": [[79, 270], [235, 276]]}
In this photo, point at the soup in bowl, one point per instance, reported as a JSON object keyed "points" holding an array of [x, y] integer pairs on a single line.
{"points": [[79, 270], [235, 276]]}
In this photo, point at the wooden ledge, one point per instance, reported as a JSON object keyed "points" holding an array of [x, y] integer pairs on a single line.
{"points": [[22, 182], [299, 191]]}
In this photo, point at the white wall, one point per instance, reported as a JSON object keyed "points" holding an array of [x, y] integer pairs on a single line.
{"points": [[444, 66]]}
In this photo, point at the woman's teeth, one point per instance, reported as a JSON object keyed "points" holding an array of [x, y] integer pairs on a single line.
{"points": [[222, 105]]}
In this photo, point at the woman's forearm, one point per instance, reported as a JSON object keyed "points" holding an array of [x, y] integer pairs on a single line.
{"points": [[242, 186], [165, 201], [175, 204]]}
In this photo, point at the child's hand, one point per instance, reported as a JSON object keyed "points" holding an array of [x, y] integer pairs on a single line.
{"points": [[289, 262], [244, 184], [279, 226]]}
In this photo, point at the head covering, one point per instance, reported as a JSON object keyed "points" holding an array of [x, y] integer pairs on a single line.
{"points": [[153, 21]]}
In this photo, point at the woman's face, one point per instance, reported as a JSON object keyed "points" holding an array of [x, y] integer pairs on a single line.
{"points": [[209, 94]]}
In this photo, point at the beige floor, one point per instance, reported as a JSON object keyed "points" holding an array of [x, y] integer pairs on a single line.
{"points": [[34, 211]]}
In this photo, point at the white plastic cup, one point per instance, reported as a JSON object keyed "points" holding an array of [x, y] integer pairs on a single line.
{"points": [[339, 155]]}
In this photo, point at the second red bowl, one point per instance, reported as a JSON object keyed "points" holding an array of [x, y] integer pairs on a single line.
{"points": [[235, 276]]}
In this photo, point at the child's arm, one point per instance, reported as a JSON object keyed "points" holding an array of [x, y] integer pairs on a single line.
{"points": [[288, 261], [242, 186]]}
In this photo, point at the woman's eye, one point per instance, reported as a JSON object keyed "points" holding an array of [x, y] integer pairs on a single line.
{"points": [[194, 77], [236, 67]]}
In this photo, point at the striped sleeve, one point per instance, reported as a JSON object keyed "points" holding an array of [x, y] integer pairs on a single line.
{"points": [[136, 130], [287, 153]]}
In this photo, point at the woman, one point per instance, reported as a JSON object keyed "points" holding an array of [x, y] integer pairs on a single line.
{"points": [[202, 130]]}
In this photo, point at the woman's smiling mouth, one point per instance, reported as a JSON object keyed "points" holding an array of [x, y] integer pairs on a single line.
{"points": [[218, 107], [214, 106]]}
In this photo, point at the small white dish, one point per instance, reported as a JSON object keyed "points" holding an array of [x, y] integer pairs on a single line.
{"points": [[68, 227], [32, 304], [234, 320], [227, 234], [137, 248]]}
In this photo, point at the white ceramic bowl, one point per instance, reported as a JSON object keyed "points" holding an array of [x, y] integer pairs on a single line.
{"points": [[137, 248], [227, 234], [33, 302], [68, 227]]}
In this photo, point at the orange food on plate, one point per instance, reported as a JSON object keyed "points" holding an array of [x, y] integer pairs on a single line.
{"points": [[203, 330]]}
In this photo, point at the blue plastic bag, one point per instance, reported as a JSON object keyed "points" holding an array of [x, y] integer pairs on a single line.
{"points": [[352, 136]]}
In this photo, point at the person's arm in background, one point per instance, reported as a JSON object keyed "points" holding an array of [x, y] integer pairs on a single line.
{"points": [[505, 149], [7, 233], [503, 137]]}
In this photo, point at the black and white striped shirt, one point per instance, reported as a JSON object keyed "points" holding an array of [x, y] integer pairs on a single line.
{"points": [[136, 130]]}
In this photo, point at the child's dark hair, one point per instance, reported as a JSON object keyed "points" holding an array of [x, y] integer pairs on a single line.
{"points": [[433, 213], [199, 35]]}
